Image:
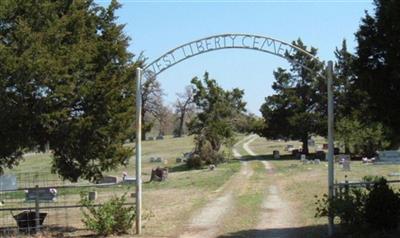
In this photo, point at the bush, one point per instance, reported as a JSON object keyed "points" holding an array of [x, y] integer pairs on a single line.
{"points": [[110, 218], [382, 207], [377, 207], [194, 162], [204, 155], [348, 208]]}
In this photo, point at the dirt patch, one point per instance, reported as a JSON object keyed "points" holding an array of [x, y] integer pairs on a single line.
{"points": [[277, 214], [206, 223]]}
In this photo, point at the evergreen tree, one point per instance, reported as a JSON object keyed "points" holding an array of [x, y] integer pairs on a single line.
{"points": [[65, 77], [298, 107], [343, 84], [378, 64], [217, 107]]}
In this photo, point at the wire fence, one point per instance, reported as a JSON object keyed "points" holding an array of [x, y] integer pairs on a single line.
{"points": [[344, 187], [32, 202]]}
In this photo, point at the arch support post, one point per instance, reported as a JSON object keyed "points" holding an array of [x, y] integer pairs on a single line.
{"points": [[329, 74], [138, 164]]}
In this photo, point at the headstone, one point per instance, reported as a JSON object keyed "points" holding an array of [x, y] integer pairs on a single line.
{"points": [[342, 157], [41, 194], [47, 147], [321, 155], [346, 165], [276, 154], [187, 155], [150, 138], [317, 161], [159, 174], [92, 196], [107, 179], [8, 182], [289, 148], [156, 160], [304, 161], [389, 156], [129, 180], [211, 167], [160, 137], [296, 154], [311, 142], [303, 157]]}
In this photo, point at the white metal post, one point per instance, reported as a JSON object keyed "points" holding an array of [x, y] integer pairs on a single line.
{"points": [[138, 151], [329, 72]]}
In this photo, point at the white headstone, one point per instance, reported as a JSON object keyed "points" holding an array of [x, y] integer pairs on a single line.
{"points": [[389, 156], [276, 154], [302, 157], [346, 165]]}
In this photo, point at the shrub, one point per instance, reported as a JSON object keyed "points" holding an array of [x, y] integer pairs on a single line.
{"points": [[204, 155], [382, 207], [349, 208], [110, 218], [376, 208], [194, 162]]}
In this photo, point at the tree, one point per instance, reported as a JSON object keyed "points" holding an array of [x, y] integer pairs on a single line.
{"points": [[164, 116], [345, 93], [360, 139], [65, 77], [152, 101], [297, 109], [183, 106], [247, 123], [378, 64], [213, 125]]}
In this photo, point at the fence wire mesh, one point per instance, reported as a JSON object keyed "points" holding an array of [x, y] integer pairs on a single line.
{"points": [[41, 201]]}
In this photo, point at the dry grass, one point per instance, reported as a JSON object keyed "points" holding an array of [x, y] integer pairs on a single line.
{"points": [[302, 182], [167, 205]]}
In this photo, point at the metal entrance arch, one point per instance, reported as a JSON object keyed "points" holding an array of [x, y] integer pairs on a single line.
{"points": [[218, 42]]}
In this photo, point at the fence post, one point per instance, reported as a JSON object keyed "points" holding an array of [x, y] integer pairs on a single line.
{"points": [[37, 213]]}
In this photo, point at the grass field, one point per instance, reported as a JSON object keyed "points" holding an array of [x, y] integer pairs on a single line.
{"points": [[303, 182], [169, 205]]}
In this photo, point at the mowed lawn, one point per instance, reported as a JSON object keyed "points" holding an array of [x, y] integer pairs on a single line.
{"points": [[302, 183]]}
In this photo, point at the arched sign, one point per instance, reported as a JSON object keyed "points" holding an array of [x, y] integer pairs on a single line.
{"points": [[219, 42], [225, 41]]}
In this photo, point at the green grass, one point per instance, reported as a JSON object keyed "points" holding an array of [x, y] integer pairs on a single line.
{"points": [[202, 179], [248, 201]]}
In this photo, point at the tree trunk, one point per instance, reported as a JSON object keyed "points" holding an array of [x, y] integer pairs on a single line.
{"points": [[181, 120], [305, 145], [346, 148]]}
